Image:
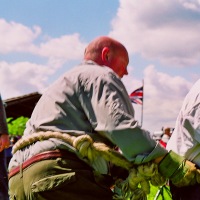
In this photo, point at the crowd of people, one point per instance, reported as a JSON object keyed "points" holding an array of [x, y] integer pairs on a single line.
{"points": [[86, 110]]}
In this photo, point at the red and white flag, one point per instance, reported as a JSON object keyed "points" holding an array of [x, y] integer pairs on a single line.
{"points": [[137, 96]]}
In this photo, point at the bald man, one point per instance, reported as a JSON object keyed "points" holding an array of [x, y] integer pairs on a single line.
{"points": [[90, 99]]}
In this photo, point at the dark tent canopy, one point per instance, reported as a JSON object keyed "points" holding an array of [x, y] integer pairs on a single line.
{"points": [[21, 105]]}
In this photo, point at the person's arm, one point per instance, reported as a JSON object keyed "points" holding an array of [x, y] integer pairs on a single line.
{"points": [[4, 137], [110, 112], [112, 115]]}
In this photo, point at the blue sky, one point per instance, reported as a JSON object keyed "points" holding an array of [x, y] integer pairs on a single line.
{"points": [[41, 39], [89, 17]]}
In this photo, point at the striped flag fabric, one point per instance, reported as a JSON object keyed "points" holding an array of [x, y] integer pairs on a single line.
{"points": [[137, 96]]}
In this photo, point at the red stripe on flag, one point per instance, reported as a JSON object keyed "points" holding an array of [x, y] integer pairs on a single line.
{"points": [[137, 96]]}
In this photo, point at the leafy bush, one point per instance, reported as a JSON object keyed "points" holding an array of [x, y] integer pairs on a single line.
{"points": [[16, 126]]}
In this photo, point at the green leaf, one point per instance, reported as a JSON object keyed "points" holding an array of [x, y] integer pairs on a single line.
{"points": [[16, 126]]}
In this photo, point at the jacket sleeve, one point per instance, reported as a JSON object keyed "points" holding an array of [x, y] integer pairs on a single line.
{"points": [[3, 123], [111, 113]]}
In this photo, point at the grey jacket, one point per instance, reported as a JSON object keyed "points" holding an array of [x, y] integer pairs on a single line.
{"points": [[90, 99], [185, 139]]}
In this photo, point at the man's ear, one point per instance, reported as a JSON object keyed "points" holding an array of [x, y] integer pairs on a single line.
{"points": [[104, 55]]}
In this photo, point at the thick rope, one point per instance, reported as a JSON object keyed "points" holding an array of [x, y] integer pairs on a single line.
{"points": [[83, 143], [137, 184]]}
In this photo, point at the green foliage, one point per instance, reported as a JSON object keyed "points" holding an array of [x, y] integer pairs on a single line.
{"points": [[160, 193], [16, 127]]}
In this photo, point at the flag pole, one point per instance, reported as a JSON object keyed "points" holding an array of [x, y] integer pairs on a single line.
{"points": [[142, 103]]}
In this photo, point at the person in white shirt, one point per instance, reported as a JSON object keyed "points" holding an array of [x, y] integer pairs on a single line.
{"points": [[185, 140]]}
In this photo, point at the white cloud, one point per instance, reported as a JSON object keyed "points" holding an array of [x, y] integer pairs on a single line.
{"points": [[192, 4], [67, 46], [163, 96], [26, 76], [15, 37], [22, 78], [60, 50], [163, 30]]}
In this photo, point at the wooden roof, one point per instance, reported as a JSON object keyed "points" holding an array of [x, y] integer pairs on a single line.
{"points": [[21, 105]]}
